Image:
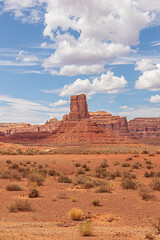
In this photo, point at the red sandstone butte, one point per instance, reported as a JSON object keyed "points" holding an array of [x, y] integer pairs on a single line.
{"points": [[78, 108], [81, 126]]}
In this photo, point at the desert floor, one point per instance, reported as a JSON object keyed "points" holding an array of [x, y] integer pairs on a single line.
{"points": [[121, 214]]}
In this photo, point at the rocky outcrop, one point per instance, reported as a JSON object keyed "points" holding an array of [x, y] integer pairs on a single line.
{"points": [[78, 108], [111, 123], [81, 126], [13, 128], [1, 134], [145, 127]]}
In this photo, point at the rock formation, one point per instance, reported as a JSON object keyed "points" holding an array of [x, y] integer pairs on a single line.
{"points": [[78, 108], [81, 126], [145, 127], [13, 128]]}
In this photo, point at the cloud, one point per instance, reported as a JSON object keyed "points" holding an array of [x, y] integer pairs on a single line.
{"points": [[16, 64], [107, 83], [155, 44], [22, 110], [86, 34], [72, 70], [126, 107], [155, 99], [23, 56], [58, 103], [140, 111], [29, 11], [145, 64], [150, 78]]}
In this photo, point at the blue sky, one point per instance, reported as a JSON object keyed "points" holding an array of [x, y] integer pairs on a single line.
{"points": [[50, 50]]}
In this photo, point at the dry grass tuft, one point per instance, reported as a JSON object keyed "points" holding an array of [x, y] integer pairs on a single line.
{"points": [[86, 229], [75, 214]]}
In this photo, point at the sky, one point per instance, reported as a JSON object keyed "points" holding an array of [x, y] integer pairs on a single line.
{"points": [[53, 49]]}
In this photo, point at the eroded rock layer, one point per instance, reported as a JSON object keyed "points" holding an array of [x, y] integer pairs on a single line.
{"points": [[145, 127], [13, 128]]}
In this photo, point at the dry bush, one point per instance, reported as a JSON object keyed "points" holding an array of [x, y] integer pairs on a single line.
{"points": [[80, 171], [156, 225], [100, 172], [95, 202], [75, 214], [36, 178], [62, 195], [74, 199], [20, 205], [78, 180], [149, 175], [14, 187], [125, 165], [104, 164], [52, 172], [149, 236], [34, 193], [8, 161], [145, 152], [10, 174], [64, 179], [128, 183], [86, 229], [145, 191], [155, 184], [77, 164], [136, 165], [105, 188], [116, 163]]}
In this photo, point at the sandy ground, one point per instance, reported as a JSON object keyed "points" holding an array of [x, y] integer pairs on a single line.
{"points": [[122, 214]]}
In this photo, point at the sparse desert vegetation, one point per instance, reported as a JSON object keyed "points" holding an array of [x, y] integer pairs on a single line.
{"points": [[57, 188]]}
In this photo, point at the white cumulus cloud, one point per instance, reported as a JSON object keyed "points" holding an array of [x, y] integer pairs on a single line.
{"points": [[155, 99], [107, 83], [150, 78]]}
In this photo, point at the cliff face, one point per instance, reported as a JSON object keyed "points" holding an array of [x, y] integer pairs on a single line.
{"points": [[81, 126], [13, 128], [111, 123], [78, 108], [145, 127]]}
